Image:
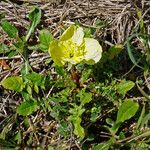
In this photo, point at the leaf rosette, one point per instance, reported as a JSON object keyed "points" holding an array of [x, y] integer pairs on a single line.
{"points": [[73, 48]]}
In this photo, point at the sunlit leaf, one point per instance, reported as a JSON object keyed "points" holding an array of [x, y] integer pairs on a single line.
{"points": [[27, 107], [84, 97], [34, 17], [124, 86], [35, 78], [9, 29], [102, 146], [78, 129], [13, 83], [45, 38], [127, 110], [3, 48]]}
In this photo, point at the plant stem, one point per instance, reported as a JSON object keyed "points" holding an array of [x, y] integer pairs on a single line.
{"points": [[130, 139], [75, 76]]}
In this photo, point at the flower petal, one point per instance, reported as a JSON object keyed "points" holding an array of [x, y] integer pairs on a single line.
{"points": [[93, 51], [68, 33], [58, 53], [78, 36]]}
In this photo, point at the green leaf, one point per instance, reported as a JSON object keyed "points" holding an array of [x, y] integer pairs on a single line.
{"points": [[141, 23], [36, 78], [45, 38], [27, 108], [141, 117], [9, 29], [78, 129], [29, 89], [13, 83], [145, 120], [112, 52], [4, 48], [127, 110], [84, 97], [93, 51], [131, 56], [95, 111], [102, 146], [124, 86], [19, 45], [50, 148], [34, 17]]}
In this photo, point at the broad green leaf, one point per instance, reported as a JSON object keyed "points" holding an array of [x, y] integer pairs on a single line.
{"points": [[9, 29], [87, 32], [13, 83], [60, 70], [127, 110], [84, 97], [12, 53], [124, 86], [34, 17], [35, 78], [93, 51], [27, 108], [103, 146], [78, 129], [45, 38]]}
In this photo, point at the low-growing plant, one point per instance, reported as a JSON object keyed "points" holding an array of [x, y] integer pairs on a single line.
{"points": [[73, 97]]}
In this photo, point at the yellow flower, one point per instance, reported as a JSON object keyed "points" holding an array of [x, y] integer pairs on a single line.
{"points": [[72, 47]]}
